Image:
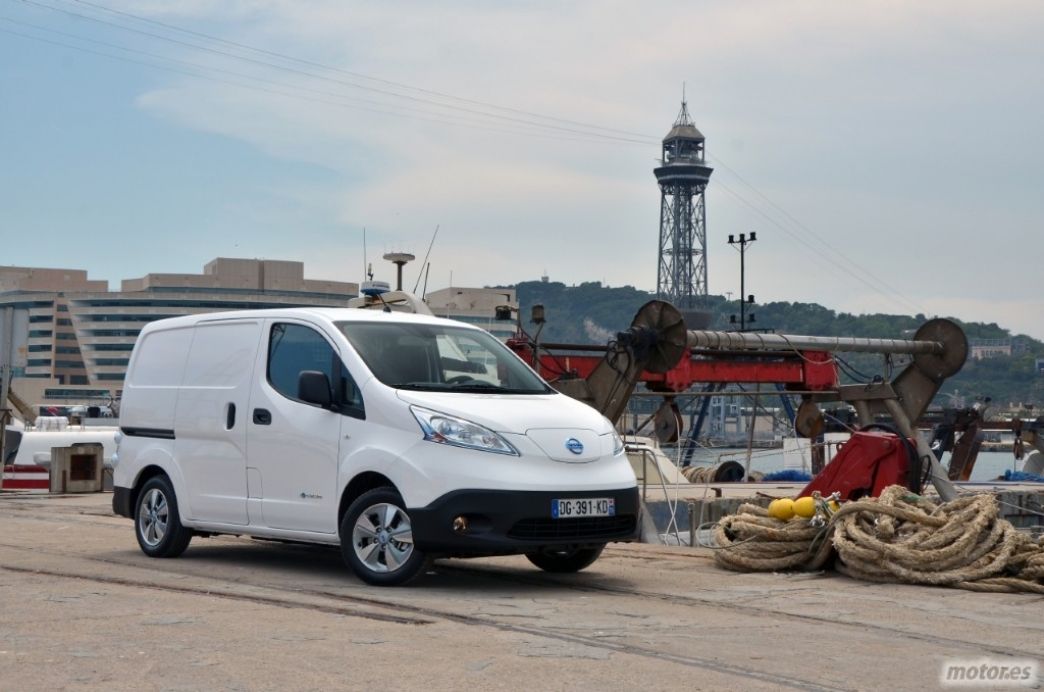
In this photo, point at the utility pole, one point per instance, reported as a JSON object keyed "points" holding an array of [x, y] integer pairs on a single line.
{"points": [[741, 245]]}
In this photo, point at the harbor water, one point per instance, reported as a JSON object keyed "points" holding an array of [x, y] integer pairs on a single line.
{"points": [[988, 466]]}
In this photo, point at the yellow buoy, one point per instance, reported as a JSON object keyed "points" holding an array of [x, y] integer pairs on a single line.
{"points": [[833, 506], [782, 509], [805, 507]]}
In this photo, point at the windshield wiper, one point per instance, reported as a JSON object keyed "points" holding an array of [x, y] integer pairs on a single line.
{"points": [[477, 387], [489, 387]]}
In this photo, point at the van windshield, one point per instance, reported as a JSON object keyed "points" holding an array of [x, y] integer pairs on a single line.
{"points": [[437, 358]]}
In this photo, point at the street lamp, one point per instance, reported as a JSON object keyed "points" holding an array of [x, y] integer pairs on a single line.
{"points": [[741, 245]]}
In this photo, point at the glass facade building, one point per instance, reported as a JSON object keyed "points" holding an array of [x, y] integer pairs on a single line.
{"points": [[69, 334]]}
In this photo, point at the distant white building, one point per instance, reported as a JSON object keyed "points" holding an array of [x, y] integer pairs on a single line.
{"points": [[988, 348], [477, 306]]}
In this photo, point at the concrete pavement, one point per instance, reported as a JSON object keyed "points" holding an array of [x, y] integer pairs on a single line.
{"points": [[82, 608]]}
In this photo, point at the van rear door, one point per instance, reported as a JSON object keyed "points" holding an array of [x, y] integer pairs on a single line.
{"points": [[211, 418]]}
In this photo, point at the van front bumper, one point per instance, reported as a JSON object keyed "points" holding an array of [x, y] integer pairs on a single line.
{"points": [[498, 522]]}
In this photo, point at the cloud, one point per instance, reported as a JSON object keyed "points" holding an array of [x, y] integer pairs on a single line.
{"points": [[903, 134]]}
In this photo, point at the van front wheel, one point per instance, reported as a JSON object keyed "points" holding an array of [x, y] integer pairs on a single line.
{"points": [[377, 539], [561, 561], [156, 521]]}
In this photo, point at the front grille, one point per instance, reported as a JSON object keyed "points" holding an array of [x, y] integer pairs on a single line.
{"points": [[581, 529]]}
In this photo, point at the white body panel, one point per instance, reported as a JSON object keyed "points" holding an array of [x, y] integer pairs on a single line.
{"points": [[215, 391], [150, 392]]}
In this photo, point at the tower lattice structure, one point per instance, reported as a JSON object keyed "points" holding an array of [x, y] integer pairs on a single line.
{"points": [[683, 175]]}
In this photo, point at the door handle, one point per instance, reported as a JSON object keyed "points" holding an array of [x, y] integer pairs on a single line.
{"points": [[230, 416], [262, 416]]}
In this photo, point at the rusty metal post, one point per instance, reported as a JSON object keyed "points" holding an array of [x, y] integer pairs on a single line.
{"points": [[863, 412], [965, 452], [818, 457], [943, 485], [693, 523]]}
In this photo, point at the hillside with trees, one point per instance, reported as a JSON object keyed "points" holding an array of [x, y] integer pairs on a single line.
{"points": [[592, 313]]}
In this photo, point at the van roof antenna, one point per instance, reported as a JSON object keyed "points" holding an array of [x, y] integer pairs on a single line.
{"points": [[426, 255], [367, 269]]}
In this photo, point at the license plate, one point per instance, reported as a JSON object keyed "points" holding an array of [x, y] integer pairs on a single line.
{"points": [[584, 507]]}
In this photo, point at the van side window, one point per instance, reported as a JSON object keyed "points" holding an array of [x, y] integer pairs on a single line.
{"points": [[292, 349]]}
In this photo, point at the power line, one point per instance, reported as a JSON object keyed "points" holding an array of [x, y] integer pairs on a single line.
{"points": [[199, 71], [811, 246], [592, 133], [343, 82], [819, 239], [360, 75]]}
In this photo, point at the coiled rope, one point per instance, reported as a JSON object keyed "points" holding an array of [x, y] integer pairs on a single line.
{"points": [[724, 472], [898, 537]]}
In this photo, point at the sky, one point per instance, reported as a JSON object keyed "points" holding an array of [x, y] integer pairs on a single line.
{"points": [[887, 154]]}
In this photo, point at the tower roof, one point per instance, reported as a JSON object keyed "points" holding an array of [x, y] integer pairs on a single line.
{"points": [[684, 127]]}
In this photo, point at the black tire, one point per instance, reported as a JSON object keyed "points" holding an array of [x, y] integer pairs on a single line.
{"points": [[562, 561], [377, 539], [157, 524]]}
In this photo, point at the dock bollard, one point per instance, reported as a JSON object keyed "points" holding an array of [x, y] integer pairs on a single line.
{"points": [[77, 468], [692, 523]]}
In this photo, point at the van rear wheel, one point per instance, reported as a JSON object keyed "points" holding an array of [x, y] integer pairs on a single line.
{"points": [[377, 539], [561, 561], [157, 524]]}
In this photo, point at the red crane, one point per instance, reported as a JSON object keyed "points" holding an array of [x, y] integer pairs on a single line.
{"points": [[657, 350]]}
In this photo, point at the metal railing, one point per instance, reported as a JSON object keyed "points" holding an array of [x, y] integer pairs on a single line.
{"points": [[672, 505]]}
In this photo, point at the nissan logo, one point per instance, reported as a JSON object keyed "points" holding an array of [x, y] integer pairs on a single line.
{"points": [[574, 445]]}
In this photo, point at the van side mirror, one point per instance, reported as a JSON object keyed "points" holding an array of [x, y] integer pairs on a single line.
{"points": [[313, 387]]}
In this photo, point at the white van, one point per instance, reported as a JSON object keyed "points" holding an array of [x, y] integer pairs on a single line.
{"points": [[399, 437]]}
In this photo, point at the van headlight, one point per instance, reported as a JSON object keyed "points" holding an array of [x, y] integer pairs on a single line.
{"points": [[618, 444], [450, 430]]}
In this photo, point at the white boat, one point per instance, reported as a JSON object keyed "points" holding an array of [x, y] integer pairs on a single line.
{"points": [[32, 446]]}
